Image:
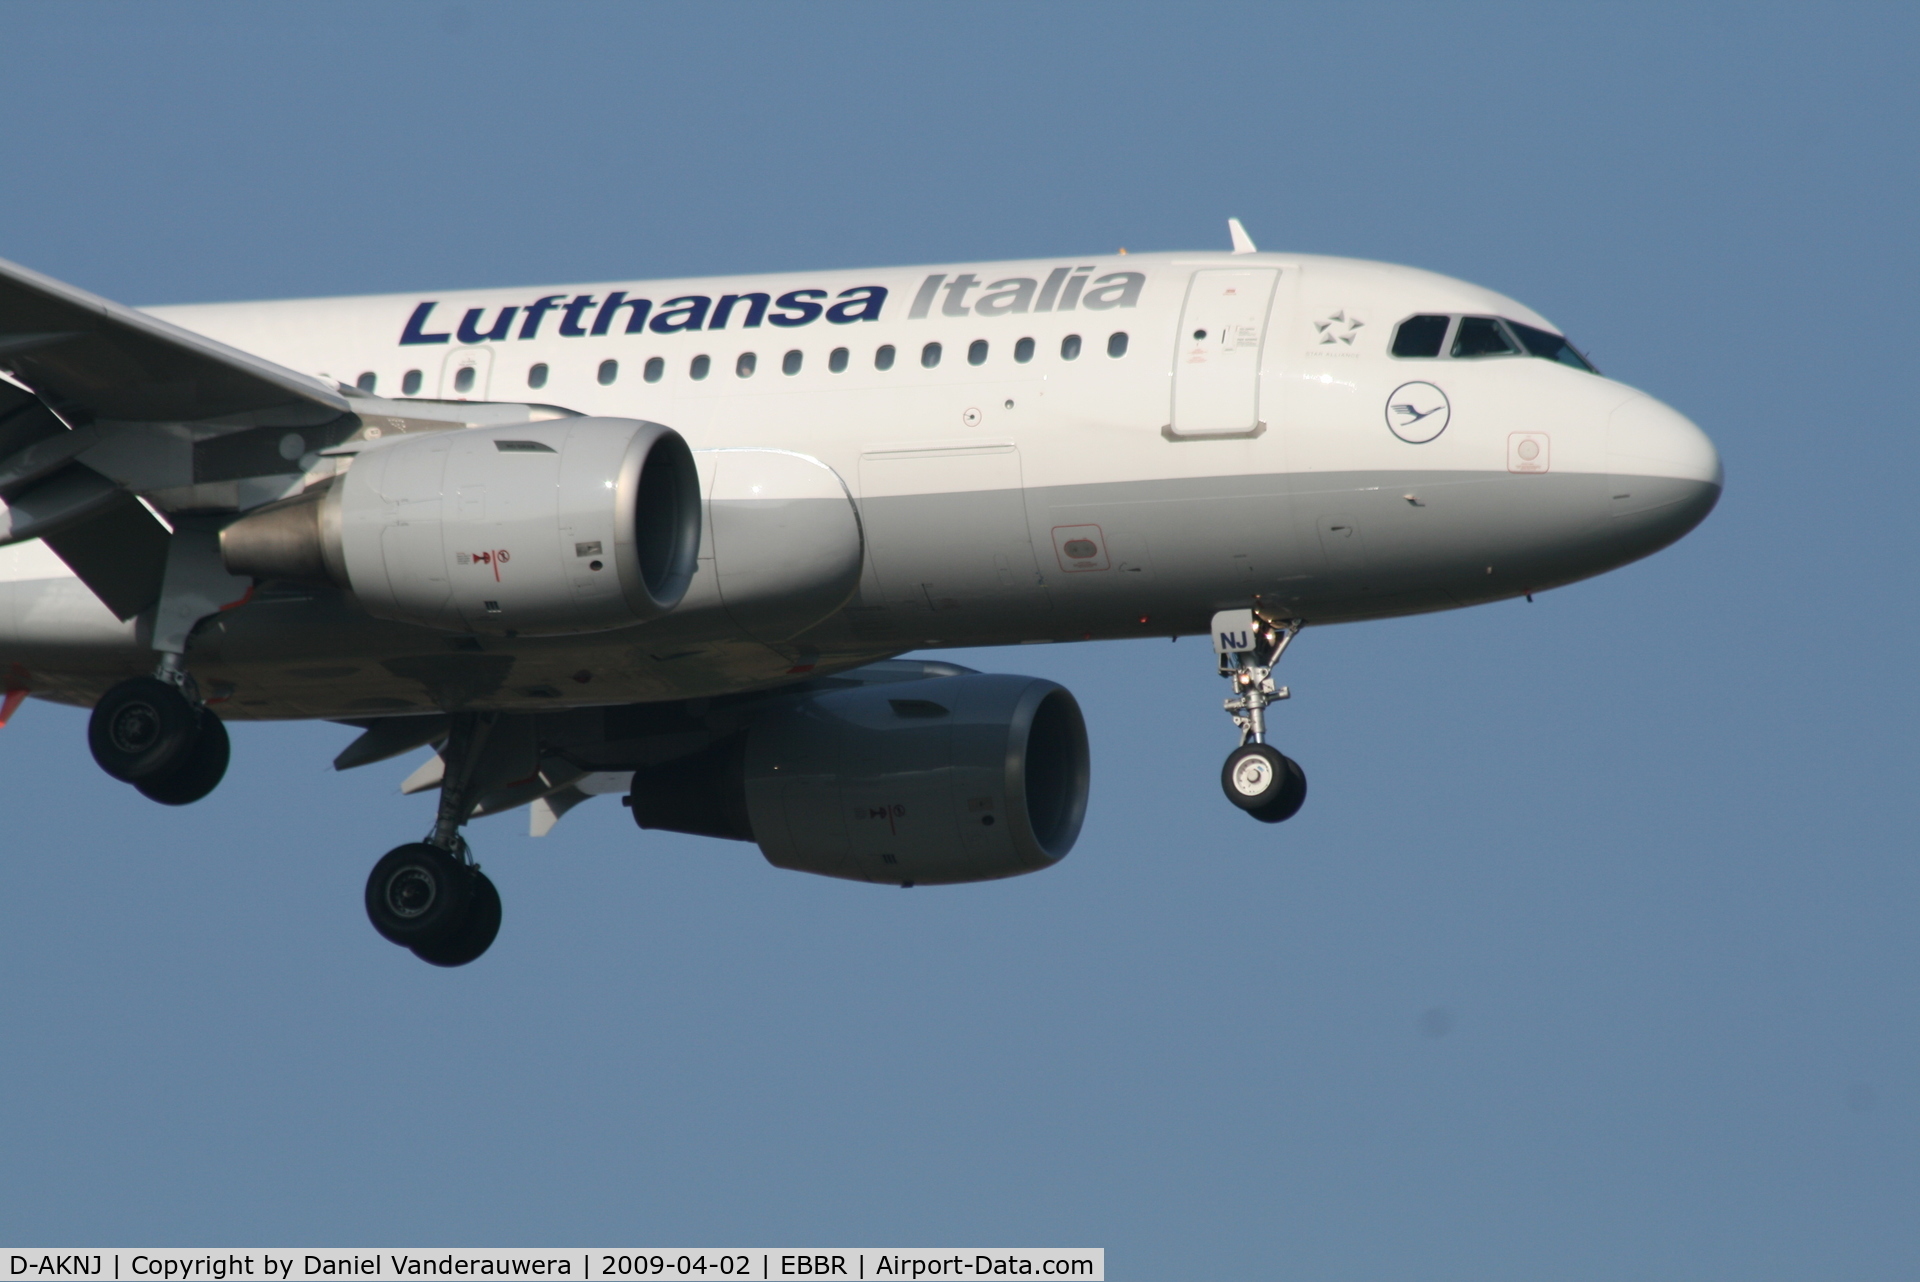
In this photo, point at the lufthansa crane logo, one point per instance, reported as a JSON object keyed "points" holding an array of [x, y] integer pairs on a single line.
{"points": [[1417, 412]]}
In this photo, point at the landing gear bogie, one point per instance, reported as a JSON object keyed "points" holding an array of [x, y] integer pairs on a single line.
{"points": [[155, 735]]}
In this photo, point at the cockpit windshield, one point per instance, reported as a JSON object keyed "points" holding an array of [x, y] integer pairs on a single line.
{"points": [[1550, 346], [1481, 336], [1476, 336]]}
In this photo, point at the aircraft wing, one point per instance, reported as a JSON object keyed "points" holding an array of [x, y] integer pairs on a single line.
{"points": [[80, 371], [94, 359]]}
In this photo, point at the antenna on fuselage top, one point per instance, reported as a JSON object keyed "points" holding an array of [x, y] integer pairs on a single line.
{"points": [[1242, 243]]}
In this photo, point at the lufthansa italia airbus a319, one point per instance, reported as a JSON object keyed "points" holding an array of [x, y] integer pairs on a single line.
{"points": [[665, 538]]}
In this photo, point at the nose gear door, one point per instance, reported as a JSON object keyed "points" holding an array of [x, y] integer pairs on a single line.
{"points": [[1216, 371]]}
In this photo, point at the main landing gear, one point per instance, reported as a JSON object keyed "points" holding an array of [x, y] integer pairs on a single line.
{"points": [[1257, 777], [154, 733], [429, 896]]}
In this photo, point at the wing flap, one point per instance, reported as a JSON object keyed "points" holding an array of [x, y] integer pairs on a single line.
{"points": [[120, 552]]}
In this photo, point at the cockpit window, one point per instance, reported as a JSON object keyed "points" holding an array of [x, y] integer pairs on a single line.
{"points": [[1420, 335], [1473, 336], [1550, 346], [1481, 336]]}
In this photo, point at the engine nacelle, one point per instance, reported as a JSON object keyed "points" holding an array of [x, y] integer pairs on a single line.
{"points": [[952, 779], [538, 529]]}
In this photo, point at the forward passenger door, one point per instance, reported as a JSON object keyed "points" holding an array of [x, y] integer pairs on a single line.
{"points": [[1223, 331]]}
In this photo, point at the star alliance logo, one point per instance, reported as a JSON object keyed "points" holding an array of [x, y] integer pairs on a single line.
{"points": [[1338, 329]]}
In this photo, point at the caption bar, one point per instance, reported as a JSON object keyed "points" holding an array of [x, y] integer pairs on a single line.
{"points": [[838, 1264]]}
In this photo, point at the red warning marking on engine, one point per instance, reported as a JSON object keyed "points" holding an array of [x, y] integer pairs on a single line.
{"points": [[888, 813], [495, 558]]}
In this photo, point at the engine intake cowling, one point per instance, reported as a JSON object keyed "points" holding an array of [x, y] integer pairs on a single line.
{"points": [[538, 529], [952, 779]]}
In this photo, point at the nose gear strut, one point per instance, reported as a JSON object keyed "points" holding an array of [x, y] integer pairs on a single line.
{"points": [[1257, 777]]}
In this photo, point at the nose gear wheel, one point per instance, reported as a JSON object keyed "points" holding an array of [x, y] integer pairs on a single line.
{"points": [[1264, 782]]}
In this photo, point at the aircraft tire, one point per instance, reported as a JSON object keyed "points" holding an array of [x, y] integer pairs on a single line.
{"points": [[141, 729], [1264, 782], [418, 895], [476, 934], [196, 774]]}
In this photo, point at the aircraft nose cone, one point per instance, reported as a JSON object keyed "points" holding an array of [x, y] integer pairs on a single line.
{"points": [[1664, 475], [1647, 438]]}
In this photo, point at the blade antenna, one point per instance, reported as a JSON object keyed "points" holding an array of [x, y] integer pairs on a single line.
{"points": [[1242, 243]]}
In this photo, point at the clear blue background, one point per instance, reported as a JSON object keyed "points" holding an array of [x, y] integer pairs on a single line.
{"points": [[1593, 954]]}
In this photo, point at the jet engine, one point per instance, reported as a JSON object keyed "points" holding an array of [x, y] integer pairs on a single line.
{"points": [[538, 529], [951, 779]]}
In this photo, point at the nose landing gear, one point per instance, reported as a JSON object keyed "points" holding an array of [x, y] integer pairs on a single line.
{"points": [[1257, 777], [429, 896]]}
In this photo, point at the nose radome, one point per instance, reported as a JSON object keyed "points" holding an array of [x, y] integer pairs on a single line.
{"points": [[1646, 438], [1664, 476]]}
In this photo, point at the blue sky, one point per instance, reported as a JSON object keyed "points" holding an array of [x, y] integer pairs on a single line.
{"points": [[1592, 954]]}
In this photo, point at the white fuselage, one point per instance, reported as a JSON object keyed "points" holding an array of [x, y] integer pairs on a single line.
{"points": [[1056, 450]]}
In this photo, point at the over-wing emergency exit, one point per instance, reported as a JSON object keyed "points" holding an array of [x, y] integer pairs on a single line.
{"points": [[669, 538]]}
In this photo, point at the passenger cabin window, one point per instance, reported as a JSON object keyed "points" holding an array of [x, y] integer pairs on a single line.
{"points": [[883, 356], [745, 365], [609, 370], [837, 360], [1420, 335], [1546, 345], [367, 382], [1023, 350], [790, 363], [463, 379], [410, 383], [1117, 345], [656, 369], [929, 356], [537, 376], [700, 366], [977, 352], [1481, 336], [1070, 348]]}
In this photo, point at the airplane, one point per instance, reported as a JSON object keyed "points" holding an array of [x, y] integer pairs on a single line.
{"points": [[670, 538]]}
